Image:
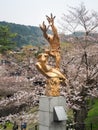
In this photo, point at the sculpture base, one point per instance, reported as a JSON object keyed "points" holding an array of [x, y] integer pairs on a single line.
{"points": [[46, 105], [53, 87]]}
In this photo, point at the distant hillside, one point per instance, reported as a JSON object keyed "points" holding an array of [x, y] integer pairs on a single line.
{"points": [[33, 35], [26, 34]]}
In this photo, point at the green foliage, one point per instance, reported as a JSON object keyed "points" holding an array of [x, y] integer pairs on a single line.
{"points": [[70, 116], [93, 115], [6, 42], [8, 125], [26, 34]]}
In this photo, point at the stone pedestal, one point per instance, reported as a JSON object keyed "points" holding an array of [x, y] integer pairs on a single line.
{"points": [[46, 105]]}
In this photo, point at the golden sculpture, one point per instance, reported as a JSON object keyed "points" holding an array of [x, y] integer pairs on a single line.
{"points": [[53, 74], [46, 70], [52, 39]]}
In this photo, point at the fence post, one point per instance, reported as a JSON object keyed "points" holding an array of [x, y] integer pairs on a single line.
{"points": [[35, 127], [91, 127]]}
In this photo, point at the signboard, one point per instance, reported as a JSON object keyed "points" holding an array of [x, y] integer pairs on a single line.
{"points": [[59, 113]]}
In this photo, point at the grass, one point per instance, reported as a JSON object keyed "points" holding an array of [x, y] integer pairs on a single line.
{"points": [[32, 127], [67, 45], [34, 109]]}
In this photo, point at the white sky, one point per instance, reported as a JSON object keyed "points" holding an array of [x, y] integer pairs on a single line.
{"points": [[32, 12]]}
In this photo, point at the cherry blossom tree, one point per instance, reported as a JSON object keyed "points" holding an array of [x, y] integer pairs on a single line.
{"points": [[81, 63]]}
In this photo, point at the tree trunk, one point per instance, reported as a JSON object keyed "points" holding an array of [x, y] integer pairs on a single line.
{"points": [[79, 117]]}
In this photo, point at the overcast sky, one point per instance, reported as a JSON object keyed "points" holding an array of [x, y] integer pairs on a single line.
{"points": [[32, 12]]}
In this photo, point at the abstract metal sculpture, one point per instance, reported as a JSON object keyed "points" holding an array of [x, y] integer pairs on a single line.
{"points": [[53, 74], [53, 40]]}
